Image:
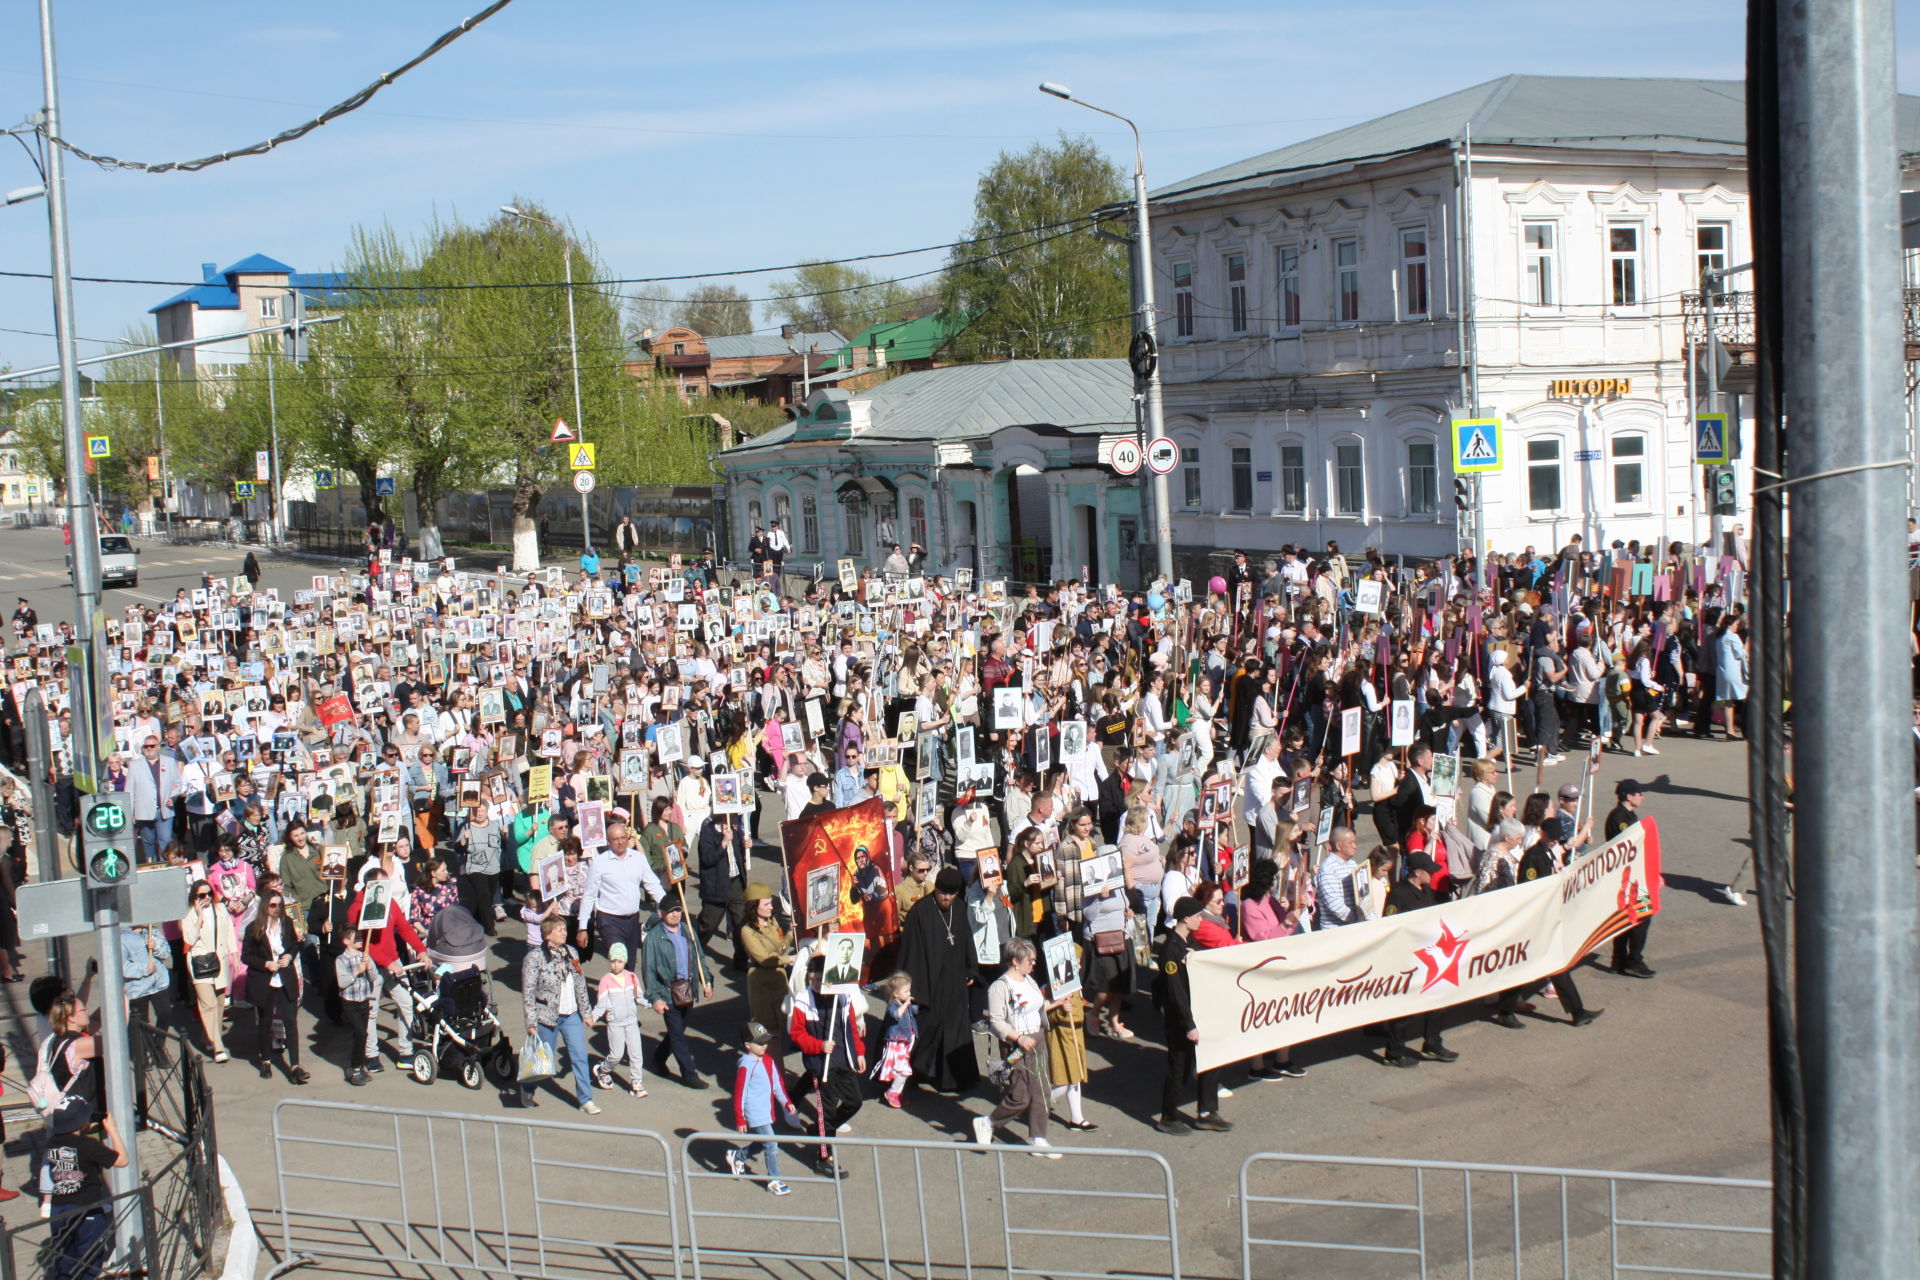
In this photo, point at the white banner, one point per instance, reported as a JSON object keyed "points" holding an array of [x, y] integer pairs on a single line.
{"points": [[1263, 996]]}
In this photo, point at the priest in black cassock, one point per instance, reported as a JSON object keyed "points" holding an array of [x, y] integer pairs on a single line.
{"points": [[936, 951]]}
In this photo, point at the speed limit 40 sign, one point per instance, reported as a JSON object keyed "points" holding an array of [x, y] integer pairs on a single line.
{"points": [[1163, 455], [1125, 456]]}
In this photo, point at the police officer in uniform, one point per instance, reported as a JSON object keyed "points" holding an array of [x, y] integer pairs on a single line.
{"points": [[1545, 858], [1175, 998], [1413, 893], [1630, 947]]}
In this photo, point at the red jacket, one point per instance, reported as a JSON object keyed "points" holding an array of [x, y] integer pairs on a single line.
{"points": [[1208, 936], [380, 942], [781, 1102]]}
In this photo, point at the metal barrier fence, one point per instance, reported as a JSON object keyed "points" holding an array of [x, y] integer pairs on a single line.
{"points": [[1585, 1222], [894, 1207], [178, 1201], [533, 1199]]}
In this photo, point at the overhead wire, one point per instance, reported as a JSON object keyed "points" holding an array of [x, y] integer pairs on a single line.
{"points": [[334, 112]]}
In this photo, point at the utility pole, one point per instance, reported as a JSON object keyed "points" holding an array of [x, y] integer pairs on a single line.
{"points": [[1857, 936], [116, 1060], [573, 346], [160, 416], [1147, 334], [46, 844]]}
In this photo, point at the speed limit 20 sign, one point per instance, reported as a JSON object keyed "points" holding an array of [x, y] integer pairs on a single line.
{"points": [[1125, 456], [1163, 455]]}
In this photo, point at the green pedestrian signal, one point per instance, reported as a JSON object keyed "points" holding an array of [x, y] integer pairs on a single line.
{"points": [[104, 820], [108, 868]]}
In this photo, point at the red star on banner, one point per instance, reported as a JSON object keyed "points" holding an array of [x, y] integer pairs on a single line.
{"points": [[1441, 958]]}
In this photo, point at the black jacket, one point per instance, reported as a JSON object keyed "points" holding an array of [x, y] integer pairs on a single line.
{"points": [[1170, 986], [1405, 895]]}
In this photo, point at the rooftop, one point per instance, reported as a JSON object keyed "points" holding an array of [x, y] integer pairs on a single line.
{"points": [[217, 292], [966, 400], [739, 346], [1586, 113]]}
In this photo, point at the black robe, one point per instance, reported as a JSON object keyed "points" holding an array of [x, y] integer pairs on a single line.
{"points": [[943, 1053]]}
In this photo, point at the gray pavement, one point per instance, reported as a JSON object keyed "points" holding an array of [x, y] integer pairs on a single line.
{"points": [[1672, 1079]]}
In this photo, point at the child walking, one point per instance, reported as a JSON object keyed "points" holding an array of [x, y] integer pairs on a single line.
{"points": [[353, 972], [895, 1067], [757, 1087], [617, 1000]]}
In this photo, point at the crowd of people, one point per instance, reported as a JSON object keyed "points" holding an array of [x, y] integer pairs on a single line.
{"points": [[586, 770]]}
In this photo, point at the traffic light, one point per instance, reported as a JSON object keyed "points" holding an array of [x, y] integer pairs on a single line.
{"points": [[1463, 492], [106, 828], [1721, 481]]}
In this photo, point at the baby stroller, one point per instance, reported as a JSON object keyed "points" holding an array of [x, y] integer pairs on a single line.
{"points": [[455, 1025]]}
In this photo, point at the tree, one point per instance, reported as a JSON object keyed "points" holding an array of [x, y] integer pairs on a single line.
{"points": [[517, 372], [830, 295], [711, 309], [1042, 294]]}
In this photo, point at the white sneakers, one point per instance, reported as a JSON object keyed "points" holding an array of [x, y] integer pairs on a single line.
{"points": [[1045, 1151], [983, 1131]]}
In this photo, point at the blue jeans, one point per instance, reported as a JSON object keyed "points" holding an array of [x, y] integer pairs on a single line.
{"points": [[146, 841], [82, 1242], [674, 1044], [574, 1032], [770, 1149]]}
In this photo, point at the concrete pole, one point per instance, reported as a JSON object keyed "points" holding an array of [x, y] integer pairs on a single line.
{"points": [[1858, 918], [82, 525], [160, 419], [573, 347], [1150, 325]]}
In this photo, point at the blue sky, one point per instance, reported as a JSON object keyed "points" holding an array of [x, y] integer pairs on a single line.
{"points": [[709, 138]]}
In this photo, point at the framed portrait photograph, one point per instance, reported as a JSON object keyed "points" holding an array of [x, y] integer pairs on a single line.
{"points": [[823, 895], [333, 861], [376, 905], [592, 816], [846, 952], [1367, 595], [963, 745], [674, 855], [670, 744], [633, 770], [1446, 776], [552, 872], [1073, 739], [1008, 711], [1062, 963]]}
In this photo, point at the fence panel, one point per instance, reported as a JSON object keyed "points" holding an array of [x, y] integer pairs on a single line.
{"points": [[1359, 1216], [492, 1195], [931, 1209]]}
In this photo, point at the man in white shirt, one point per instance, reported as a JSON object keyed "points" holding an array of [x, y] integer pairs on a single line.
{"points": [[1258, 784], [1336, 904], [778, 544]]}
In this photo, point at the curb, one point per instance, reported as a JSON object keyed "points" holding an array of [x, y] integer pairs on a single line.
{"points": [[243, 1242]]}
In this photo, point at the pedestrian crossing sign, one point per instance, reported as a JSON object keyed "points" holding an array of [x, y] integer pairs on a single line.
{"points": [[243, 488], [1476, 445], [323, 478], [581, 456], [1710, 443], [99, 447]]}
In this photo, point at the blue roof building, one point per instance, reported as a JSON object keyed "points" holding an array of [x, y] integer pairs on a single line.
{"points": [[254, 293]]}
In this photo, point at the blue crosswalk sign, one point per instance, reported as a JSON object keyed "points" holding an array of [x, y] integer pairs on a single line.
{"points": [[323, 478], [383, 486], [1710, 443], [1476, 445]]}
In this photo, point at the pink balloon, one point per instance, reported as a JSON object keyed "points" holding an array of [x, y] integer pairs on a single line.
{"points": [[1217, 585]]}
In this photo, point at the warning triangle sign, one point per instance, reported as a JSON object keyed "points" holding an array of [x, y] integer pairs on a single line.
{"points": [[561, 432], [1478, 447], [582, 457]]}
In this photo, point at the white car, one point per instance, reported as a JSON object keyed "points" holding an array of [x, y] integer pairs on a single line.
{"points": [[119, 561]]}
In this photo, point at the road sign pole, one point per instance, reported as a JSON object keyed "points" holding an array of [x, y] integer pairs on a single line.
{"points": [[106, 834]]}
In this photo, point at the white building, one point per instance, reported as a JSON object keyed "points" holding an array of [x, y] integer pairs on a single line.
{"points": [[1328, 308]]}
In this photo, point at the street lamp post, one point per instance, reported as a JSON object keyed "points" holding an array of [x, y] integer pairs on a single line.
{"points": [[1148, 324], [573, 346]]}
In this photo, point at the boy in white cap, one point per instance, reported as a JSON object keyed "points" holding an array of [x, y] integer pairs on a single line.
{"points": [[617, 1001]]}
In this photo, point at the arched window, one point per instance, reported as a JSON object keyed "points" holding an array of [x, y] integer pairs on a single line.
{"points": [[1543, 473], [1629, 469], [917, 520], [809, 524]]}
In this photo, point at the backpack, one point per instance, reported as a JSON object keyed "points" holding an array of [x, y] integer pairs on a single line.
{"points": [[52, 1101]]}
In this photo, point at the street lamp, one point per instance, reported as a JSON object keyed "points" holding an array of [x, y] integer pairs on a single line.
{"points": [[1148, 336], [20, 195], [573, 346]]}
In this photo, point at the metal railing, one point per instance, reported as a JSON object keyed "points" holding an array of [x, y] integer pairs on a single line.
{"points": [[1733, 316], [895, 1207], [412, 1187], [1587, 1222]]}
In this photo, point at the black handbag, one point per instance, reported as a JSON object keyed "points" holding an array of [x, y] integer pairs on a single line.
{"points": [[205, 967]]}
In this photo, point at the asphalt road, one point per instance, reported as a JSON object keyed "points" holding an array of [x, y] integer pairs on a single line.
{"points": [[1671, 1080]]}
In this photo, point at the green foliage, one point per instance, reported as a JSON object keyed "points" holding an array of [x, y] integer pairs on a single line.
{"points": [[837, 296], [1042, 295], [711, 309]]}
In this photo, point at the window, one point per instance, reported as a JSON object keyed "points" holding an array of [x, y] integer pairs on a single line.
{"points": [[1539, 251], [1623, 263], [269, 306], [1234, 266], [809, 524], [1423, 478], [1241, 466], [917, 521], [1346, 279], [1413, 272], [679, 348], [1629, 470], [783, 512], [1286, 283], [856, 520], [1543, 474], [1190, 475], [754, 516], [1350, 480], [1710, 249], [1182, 299], [1293, 479]]}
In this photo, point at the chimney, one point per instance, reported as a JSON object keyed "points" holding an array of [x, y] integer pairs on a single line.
{"points": [[787, 331], [210, 273]]}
